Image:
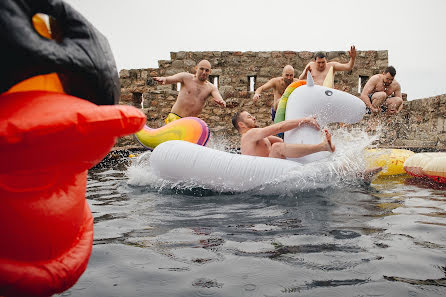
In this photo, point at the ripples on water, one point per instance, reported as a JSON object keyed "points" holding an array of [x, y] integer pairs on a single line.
{"points": [[315, 234]]}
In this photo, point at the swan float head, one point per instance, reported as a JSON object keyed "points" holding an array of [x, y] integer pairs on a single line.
{"points": [[328, 105]]}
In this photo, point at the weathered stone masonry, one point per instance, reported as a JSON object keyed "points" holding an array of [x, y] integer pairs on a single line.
{"points": [[421, 124]]}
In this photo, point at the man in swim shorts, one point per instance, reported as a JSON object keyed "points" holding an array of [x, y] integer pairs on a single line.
{"points": [[319, 67], [194, 91], [278, 84], [383, 91], [262, 142]]}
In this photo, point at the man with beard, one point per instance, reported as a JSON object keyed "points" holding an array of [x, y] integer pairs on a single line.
{"points": [[278, 84], [319, 68], [381, 90], [194, 91], [261, 142]]}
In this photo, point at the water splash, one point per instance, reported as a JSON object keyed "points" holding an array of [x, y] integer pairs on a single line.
{"points": [[341, 168]]}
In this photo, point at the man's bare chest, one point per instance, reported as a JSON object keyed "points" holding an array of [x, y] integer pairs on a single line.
{"points": [[381, 87]]}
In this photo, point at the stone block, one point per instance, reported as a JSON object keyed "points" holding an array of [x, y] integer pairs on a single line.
{"points": [[382, 55], [306, 56], [264, 55], [178, 64], [217, 71], [172, 71], [188, 64], [124, 73], [164, 63]]}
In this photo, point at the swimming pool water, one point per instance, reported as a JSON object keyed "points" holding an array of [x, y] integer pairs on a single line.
{"points": [[328, 239]]}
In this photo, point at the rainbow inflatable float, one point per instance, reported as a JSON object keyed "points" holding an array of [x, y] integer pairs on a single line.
{"points": [[49, 137], [430, 165], [190, 129]]}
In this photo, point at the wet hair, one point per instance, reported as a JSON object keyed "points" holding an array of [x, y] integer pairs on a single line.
{"points": [[236, 120], [319, 55], [391, 70]]}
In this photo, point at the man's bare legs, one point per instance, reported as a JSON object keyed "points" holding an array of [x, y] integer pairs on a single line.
{"points": [[394, 104], [290, 150]]}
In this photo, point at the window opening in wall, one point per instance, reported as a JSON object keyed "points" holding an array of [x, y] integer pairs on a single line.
{"points": [[214, 79], [362, 80], [137, 99], [252, 83]]}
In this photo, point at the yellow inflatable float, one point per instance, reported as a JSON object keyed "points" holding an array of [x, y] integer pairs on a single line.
{"points": [[431, 165], [391, 160]]}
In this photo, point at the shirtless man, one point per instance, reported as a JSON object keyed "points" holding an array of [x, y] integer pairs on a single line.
{"points": [[262, 142], [382, 89], [319, 67], [194, 91], [278, 84]]}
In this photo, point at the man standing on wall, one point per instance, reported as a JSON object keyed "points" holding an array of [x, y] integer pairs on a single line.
{"points": [[278, 84], [194, 91], [381, 90], [319, 68]]}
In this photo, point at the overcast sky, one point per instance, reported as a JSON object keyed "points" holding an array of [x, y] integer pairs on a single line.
{"points": [[141, 32]]}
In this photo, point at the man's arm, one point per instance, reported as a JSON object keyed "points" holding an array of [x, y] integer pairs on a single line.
{"points": [[348, 66], [368, 89], [256, 134], [304, 73], [270, 84], [177, 78], [217, 96], [397, 93]]}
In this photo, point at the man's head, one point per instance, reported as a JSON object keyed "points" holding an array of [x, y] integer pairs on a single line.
{"points": [[388, 75], [203, 69], [243, 121], [321, 61], [288, 74]]}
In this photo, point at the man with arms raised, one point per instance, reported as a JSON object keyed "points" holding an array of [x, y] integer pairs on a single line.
{"points": [[194, 91], [278, 84], [382, 89], [319, 67], [262, 142]]}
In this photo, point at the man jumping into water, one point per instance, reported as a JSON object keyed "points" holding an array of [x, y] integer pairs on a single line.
{"points": [[262, 142], [279, 85], [194, 91], [319, 67], [382, 90]]}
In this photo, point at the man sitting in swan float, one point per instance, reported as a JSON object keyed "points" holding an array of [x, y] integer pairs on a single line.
{"points": [[262, 142]]}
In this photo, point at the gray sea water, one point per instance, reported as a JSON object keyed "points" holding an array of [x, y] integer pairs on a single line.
{"points": [[301, 237]]}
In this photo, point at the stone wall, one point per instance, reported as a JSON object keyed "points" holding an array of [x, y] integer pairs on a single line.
{"points": [[421, 124]]}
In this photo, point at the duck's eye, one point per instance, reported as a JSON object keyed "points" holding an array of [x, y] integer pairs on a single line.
{"points": [[328, 93]]}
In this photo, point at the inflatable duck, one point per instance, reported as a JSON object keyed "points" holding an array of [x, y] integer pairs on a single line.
{"points": [[56, 121]]}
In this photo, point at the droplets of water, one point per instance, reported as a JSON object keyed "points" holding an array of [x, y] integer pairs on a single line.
{"points": [[340, 168]]}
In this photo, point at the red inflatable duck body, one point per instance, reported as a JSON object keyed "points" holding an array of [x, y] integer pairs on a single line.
{"points": [[49, 138]]}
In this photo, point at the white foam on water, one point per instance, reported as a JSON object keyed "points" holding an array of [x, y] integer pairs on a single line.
{"points": [[343, 166]]}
